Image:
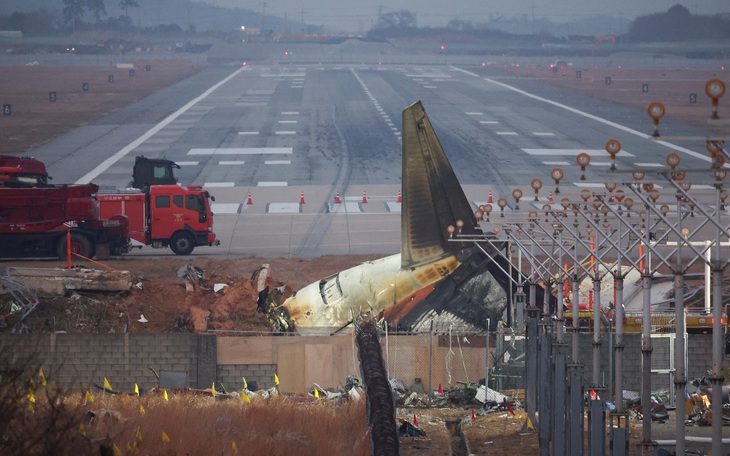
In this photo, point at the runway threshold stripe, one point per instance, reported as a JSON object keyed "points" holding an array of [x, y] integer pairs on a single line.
{"points": [[88, 177]]}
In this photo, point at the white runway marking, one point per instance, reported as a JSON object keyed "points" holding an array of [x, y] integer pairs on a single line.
{"points": [[649, 165], [474, 113], [507, 133], [288, 121], [225, 208], [556, 163], [290, 113], [283, 208], [277, 162], [241, 151], [88, 177], [539, 133], [346, 207], [691, 153], [188, 163], [570, 152], [488, 122], [589, 185], [231, 162], [285, 132], [272, 184], [218, 184], [248, 132]]}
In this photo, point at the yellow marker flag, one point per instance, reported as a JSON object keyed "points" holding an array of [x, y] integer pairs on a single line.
{"points": [[108, 385], [245, 384], [234, 447], [166, 398], [276, 379], [42, 377], [82, 431], [30, 408], [136, 390], [31, 397], [31, 383], [316, 393], [212, 389], [138, 435], [116, 450], [529, 424], [245, 398], [141, 409], [88, 397], [165, 438]]}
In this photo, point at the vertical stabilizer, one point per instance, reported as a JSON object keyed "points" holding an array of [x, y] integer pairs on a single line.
{"points": [[432, 196]]}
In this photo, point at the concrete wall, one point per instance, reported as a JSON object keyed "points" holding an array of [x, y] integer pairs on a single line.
{"points": [[79, 361]]}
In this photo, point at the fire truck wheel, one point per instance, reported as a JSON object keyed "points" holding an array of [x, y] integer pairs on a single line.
{"points": [[182, 243], [80, 244]]}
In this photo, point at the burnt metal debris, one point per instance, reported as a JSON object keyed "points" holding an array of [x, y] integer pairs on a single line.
{"points": [[378, 394]]}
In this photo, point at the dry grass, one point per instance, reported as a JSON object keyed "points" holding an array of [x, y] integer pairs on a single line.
{"points": [[206, 425]]}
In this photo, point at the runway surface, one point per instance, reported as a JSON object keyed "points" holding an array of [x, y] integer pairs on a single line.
{"points": [[287, 134]]}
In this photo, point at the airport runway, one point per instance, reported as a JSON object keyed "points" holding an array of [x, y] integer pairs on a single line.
{"points": [[283, 133]]}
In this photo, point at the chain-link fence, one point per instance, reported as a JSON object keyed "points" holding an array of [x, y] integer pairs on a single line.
{"points": [[435, 360]]}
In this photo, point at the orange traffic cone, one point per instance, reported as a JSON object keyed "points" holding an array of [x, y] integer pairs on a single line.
{"points": [[415, 420], [249, 200], [473, 416], [400, 197], [337, 198], [301, 198], [441, 389], [490, 199], [364, 197]]}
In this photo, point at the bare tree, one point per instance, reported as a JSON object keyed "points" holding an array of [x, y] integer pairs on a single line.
{"points": [[73, 11], [97, 8], [126, 4]]}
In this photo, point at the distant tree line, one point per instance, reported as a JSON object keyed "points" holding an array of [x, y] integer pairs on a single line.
{"points": [[678, 24]]}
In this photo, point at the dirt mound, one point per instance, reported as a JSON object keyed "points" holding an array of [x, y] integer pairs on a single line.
{"points": [[216, 295]]}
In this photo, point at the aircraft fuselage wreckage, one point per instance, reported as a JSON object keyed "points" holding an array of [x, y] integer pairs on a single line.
{"points": [[451, 283]]}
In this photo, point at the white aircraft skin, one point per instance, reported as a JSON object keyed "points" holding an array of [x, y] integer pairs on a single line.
{"points": [[432, 200], [372, 286]]}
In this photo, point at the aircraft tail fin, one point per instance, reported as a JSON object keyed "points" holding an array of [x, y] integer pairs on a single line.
{"points": [[432, 196]]}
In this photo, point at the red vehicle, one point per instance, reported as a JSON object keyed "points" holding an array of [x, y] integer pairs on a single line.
{"points": [[35, 215], [34, 223], [164, 215], [22, 172]]}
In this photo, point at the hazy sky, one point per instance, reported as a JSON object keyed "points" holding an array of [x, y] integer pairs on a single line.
{"points": [[361, 14]]}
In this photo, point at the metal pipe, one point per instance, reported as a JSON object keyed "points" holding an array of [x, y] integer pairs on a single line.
{"points": [[647, 446], [596, 323], [680, 379], [717, 333], [693, 439], [619, 343]]}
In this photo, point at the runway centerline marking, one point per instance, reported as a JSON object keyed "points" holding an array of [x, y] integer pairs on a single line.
{"points": [[241, 151]]}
